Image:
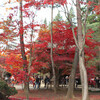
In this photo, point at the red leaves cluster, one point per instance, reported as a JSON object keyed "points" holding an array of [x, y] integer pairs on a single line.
{"points": [[82, 2], [90, 3], [64, 44], [63, 50], [95, 5], [3, 35], [62, 39], [33, 3], [18, 74], [97, 9], [91, 72], [62, 2]]}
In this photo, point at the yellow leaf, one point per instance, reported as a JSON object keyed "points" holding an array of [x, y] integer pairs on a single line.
{"points": [[8, 9]]}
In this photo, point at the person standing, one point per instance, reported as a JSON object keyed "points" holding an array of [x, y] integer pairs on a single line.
{"points": [[63, 81], [40, 81], [47, 81], [67, 79], [97, 82], [36, 82]]}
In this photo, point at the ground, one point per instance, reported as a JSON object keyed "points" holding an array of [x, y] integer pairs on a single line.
{"points": [[48, 94]]}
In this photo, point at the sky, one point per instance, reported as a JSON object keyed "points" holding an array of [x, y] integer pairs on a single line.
{"points": [[40, 15]]}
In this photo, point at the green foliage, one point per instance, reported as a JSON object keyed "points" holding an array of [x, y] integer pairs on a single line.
{"points": [[45, 21], [96, 1], [93, 22], [58, 17], [6, 90]]}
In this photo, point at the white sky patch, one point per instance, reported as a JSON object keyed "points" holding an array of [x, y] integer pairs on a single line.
{"points": [[46, 13], [40, 14], [5, 8], [39, 18]]}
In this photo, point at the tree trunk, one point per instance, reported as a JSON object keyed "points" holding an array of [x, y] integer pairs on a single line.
{"points": [[26, 83], [52, 62], [70, 93], [83, 72], [84, 80], [57, 77]]}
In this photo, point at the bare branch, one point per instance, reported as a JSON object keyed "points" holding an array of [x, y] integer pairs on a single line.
{"points": [[70, 21], [73, 2], [84, 25]]}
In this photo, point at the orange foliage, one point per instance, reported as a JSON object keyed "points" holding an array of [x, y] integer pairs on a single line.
{"points": [[97, 9]]}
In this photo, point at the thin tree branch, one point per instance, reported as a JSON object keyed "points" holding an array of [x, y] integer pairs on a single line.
{"points": [[70, 21], [84, 25]]}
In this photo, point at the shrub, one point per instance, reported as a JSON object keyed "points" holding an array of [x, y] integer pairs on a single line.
{"points": [[6, 91]]}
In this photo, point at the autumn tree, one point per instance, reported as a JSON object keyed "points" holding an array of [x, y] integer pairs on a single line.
{"points": [[70, 93], [52, 61], [64, 47], [26, 67], [21, 34], [80, 42], [80, 45]]}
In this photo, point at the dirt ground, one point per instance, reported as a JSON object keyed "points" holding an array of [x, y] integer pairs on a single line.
{"points": [[48, 94]]}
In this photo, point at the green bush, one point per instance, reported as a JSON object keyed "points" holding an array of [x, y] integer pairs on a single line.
{"points": [[5, 90]]}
